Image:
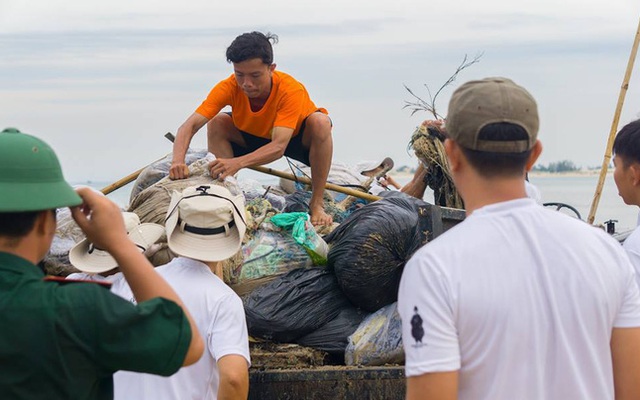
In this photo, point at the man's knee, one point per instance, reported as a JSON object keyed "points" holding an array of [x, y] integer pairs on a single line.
{"points": [[219, 122], [318, 126], [221, 127]]}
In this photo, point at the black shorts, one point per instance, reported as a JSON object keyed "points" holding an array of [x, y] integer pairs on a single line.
{"points": [[294, 149]]}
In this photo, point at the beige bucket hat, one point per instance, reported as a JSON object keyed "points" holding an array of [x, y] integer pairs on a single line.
{"points": [[88, 258], [206, 223]]}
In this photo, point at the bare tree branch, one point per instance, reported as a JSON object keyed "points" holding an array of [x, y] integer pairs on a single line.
{"points": [[430, 106]]}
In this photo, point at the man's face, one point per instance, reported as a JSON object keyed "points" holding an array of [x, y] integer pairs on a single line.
{"points": [[254, 77], [623, 176]]}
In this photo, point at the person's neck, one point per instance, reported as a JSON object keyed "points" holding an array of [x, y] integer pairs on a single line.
{"points": [[22, 250], [259, 102], [478, 192]]}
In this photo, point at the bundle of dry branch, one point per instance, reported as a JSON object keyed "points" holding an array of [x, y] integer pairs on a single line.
{"points": [[430, 151]]}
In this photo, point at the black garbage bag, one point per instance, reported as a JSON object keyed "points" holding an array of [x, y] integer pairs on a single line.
{"points": [[294, 304], [370, 248], [297, 201], [333, 336]]}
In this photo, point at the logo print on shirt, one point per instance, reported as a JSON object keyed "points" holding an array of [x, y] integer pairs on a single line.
{"points": [[417, 330]]}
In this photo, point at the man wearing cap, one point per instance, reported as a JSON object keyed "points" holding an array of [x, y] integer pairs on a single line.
{"points": [[626, 159], [65, 340], [271, 115], [204, 226], [517, 301]]}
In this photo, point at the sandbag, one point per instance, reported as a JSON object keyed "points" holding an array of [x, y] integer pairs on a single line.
{"points": [[369, 249], [333, 336], [294, 304], [378, 339], [160, 169]]}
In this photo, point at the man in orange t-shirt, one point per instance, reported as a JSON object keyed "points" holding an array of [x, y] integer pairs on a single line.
{"points": [[271, 115]]}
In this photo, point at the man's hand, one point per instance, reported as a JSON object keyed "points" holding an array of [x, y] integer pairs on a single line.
{"points": [[222, 167], [179, 171], [100, 219]]}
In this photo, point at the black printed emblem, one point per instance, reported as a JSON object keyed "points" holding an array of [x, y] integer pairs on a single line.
{"points": [[417, 330]]}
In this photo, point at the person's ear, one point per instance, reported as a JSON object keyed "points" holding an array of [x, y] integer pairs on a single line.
{"points": [[634, 169], [272, 67], [42, 223], [533, 157], [453, 152]]}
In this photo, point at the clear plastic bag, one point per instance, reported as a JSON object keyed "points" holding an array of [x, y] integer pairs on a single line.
{"points": [[267, 256], [303, 233], [378, 339]]}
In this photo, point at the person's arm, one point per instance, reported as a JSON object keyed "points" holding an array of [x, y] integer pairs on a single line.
{"points": [[625, 354], [433, 386], [234, 378], [280, 137], [390, 181], [187, 130], [101, 220]]}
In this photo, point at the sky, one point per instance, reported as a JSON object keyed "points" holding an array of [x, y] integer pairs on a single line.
{"points": [[103, 81]]}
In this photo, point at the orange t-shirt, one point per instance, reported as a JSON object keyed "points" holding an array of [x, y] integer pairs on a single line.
{"points": [[287, 106]]}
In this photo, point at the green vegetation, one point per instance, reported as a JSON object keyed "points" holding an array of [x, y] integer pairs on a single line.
{"points": [[558, 166]]}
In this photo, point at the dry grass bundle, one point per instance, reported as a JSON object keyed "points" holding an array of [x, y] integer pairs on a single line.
{"points": [[429, 149]]}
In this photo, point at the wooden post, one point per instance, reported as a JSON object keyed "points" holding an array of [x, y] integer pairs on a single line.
{"points": [[614, 128]]}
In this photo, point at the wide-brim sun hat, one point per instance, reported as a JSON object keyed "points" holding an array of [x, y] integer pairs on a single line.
{"points": [[30, 175], [87, 258], [205, 223]]}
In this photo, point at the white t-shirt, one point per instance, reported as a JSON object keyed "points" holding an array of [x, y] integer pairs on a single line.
{"points": [[632, 246], [522, 301], [219, 315], [118, 283]]}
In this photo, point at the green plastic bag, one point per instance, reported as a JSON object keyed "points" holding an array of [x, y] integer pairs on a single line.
{"points": [[302, 231]]}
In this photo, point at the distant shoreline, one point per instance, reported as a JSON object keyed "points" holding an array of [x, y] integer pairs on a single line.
{"points": [[533, 174]]}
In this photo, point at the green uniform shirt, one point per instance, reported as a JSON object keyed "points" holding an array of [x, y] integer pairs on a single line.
{"points": [[65, 340]]}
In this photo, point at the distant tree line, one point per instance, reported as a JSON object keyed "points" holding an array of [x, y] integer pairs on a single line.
{"points": [[558, 166]]}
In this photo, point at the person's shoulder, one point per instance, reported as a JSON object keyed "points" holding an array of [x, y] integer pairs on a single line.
{"points": [[633, 239], [62, 281], [286, 81]]}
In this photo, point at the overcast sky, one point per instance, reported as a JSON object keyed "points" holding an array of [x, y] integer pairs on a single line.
{"points": [[103, 81]]}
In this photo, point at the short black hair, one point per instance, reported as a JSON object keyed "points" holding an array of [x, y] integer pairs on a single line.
{"points": [[627, 143], [252, 45], [490, 164], [15, 225]]}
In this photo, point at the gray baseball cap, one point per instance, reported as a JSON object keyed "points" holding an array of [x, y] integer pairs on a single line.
{"points": [[477, 104]]}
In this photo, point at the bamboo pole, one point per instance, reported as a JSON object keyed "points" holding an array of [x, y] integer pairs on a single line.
{"points": [[614, 127], [127, 179], [328, 186], [134, 175], [291, 177]]}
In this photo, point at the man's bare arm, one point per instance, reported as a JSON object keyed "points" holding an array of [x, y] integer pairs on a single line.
{"points": [[185, 133], [433, 386], [234, 378], [625, 353]]}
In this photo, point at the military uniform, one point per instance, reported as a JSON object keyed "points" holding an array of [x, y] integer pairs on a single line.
{"points": [[65, 340]]}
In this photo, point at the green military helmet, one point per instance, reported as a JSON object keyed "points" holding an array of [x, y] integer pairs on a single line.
{"points": [[30, 175]]}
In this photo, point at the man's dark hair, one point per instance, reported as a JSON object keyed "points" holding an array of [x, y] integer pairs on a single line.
{"points": [[252, 45], [15, 225], [627, 143], [491, 164]]}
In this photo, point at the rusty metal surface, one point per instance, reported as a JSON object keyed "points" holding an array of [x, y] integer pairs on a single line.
{"points": [[386, 383]]}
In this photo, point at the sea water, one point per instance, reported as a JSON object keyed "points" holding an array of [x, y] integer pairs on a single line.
{"points": [[575, 190]]}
